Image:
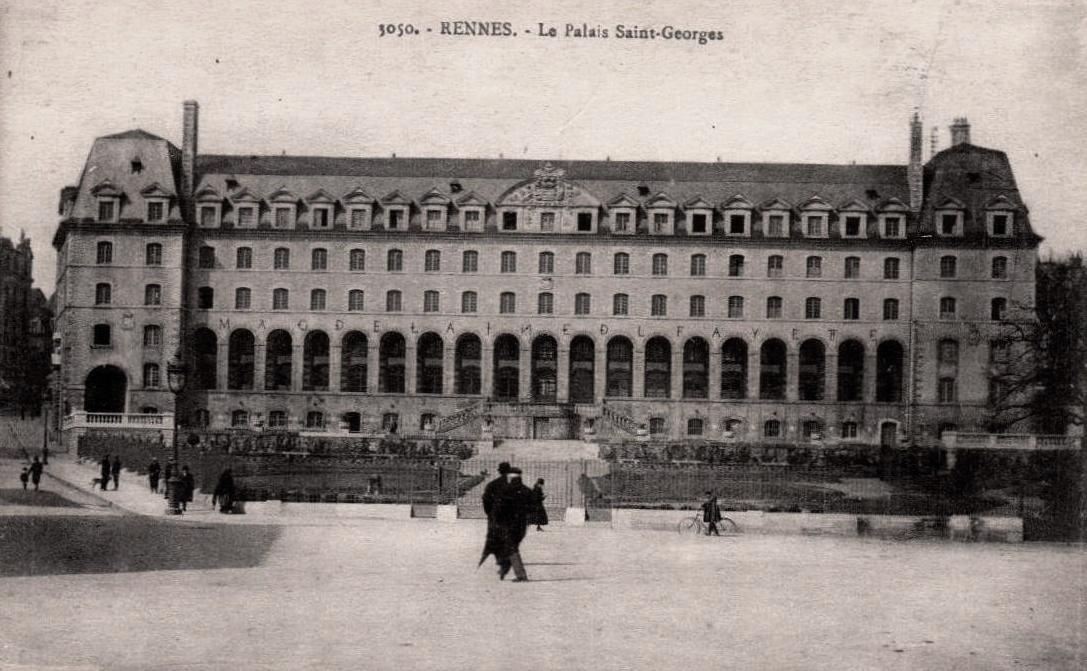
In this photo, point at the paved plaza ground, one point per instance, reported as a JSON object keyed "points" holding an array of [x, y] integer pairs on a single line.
{"points": [[88, 587]]}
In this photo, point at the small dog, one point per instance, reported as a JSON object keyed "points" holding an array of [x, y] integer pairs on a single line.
{"points": [[96, 483]]}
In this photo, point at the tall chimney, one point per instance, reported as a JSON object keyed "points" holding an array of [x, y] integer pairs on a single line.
{"points": [[960, 131], [188, 149], [914, 172], [934, 142]]}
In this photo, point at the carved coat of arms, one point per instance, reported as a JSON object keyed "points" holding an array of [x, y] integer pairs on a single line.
{"points": [[549, 185]]}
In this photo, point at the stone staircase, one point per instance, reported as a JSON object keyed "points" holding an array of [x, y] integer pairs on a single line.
{"points": [[620, 421]]}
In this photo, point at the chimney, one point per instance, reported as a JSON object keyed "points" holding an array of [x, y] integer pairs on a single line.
{"points": [[914, 172], [960, 132], [188, 149], [934, 142]]}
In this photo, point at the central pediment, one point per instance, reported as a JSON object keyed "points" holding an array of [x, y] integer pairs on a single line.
{"points": [[548, 187]]}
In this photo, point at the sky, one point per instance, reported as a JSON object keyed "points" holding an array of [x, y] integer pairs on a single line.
{"points": [[809, 81]]}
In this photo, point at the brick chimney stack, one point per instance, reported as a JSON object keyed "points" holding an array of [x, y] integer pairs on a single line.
{"points": [[915, 171], [960, 131], [188, 149], [935, 142]]}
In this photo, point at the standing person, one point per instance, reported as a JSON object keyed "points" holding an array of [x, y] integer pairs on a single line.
{"points": [[24, 477], [169, 473], [711, 514], [105, 472], [539, 513], [36, 473], [512, 515], [115, 471], [187, 487], [153, 471], [491, 495], [224, 492]]}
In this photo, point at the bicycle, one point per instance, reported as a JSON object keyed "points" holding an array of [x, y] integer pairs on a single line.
{"points": [[695, 525]]}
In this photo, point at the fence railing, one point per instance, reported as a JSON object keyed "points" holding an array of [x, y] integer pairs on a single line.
{"points": [[102, 420], [954, 440]]}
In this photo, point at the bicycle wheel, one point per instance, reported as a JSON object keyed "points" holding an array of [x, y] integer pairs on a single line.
{"points": [[690, 525], [727, 526]]}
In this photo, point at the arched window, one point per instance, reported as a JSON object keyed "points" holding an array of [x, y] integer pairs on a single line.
{"points": [[658, 368], [432, 261], [772, 370], [582, 378], [393, 301], [152, 335], [889, 369], [814, 266], [357, 260], [392, 362], [429, 353], [547, 263], [319, 259], [104, 254], [103, 293], [775, 266], [508, 262], [394, 261], [851, 371], [698, 265], [698, 306], [278, 350], [356, 300], [660, 264], [281, 258], [997, 309], [206, 257], [507, 367], [507, 303], [890, 309], [545, 303], [948, 308], [583, 263], [470, 262], [621, 264], [467, 364], [620, 304], [431, 301], [315, 361], [851, 309], [734, 369], [812, 362], [241, 359], [773, 307], [852, 267], [619, 378], [281, 299], [468, 302], [152, 294], [317, 299], [736, 265], [153, 254], [696, 366], [243, 258], [353, 362], [205, 355]]}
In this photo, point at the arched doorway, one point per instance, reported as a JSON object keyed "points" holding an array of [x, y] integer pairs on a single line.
{"points": [[812, 370], [105, 390], [205, 358], [392, 360], [353, 364], [429, 353], [696, 368], [851, 371], [772, 370], [467, 364], [620, 368], [889, 372], [582, 370], [734, 369], [277, 361], [315, 354], [240, 360], [545, 354], [507, 368], [658, 368]]}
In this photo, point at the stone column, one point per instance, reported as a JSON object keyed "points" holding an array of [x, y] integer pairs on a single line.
{"points": [[830, 366], [524, 373], [409, 368], [715, 373], [486, 369], [296, 366], [562, 373], [637, 377], [868, 394], [334, 367], [221, 364], [754, 371], [373, 354], [677, 372], [449, 359], [792, 375], [260, 360], [600, 367]]}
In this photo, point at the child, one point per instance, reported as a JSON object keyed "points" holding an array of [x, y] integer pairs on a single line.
{"points": [[25, 477]]}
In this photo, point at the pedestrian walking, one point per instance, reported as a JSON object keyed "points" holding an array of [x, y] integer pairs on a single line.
{"points": [[492, 493], [224, 492], [153, 472], [105, 472], [188, 484], [24, 476], [539, 513], [115, 471], [36, 473], [711, 514], [512, 514]]}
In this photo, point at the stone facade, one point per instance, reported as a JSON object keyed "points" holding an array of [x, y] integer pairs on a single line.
{"points": [[760, 302], [25, 328]]}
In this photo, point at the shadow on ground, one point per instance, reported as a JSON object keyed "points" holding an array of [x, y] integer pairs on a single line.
{"points": [[29, 497], [57, 544]]}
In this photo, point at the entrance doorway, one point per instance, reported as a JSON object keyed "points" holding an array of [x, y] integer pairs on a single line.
{"points": [[105, 390], [888, 434]]}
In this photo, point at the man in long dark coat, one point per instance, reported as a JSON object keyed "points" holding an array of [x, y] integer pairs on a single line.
{"points": [[491, 495], [105, 466], [511, 515]]}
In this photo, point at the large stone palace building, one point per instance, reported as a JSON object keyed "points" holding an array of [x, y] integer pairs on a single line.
{"points": [[523, 298], [25, 328]]}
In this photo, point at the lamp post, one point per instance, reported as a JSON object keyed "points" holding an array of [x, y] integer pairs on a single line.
{"points": [[176, 377]]}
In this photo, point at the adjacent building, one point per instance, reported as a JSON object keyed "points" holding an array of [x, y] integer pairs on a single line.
{"points": [[25, 329], [769, 302]]}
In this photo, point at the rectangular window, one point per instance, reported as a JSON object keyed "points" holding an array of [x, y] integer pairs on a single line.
{"points": [[698, 306], [660, 222], [394, 220], [948, 266], [851, 309], [890, 310], [317, 299], [582, 304], [103, 294], [775, 266], [735, 307], [154, 211], [283, 217], [736, 265], [773, 307], [890, 269], [949, 224], [545, 304], [812, 308], [947, 390], [775, 226], [698, 223], [509, 221], [660, 264], [892, 227], [471, 220], [815, 266], [321, 218], [852, 267], [356, 301], [620, 304], [207, 216], [547, 221], [280, 299], [105, 210], [659, 306], [815, 226], [154, 254], [101, 335], [468, 302], [392, 301], [509, 262], [852, 227], [246, 217], [435, 219], [622, 264], [622, 222], [583, 264], [584, 222], [507, 303], [470, 262], [358, 218], [698, 265], [1000, 224], [1000, 268], [241, 298], [431, 301], [737, 224], [152, 295], [281, 258]]}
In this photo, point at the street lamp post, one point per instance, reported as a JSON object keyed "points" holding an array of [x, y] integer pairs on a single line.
{"points": [[176, 377]]}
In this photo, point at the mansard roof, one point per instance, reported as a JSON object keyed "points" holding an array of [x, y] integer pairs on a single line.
{"points": [[738, 202], [660, 199], [207, 193], [472, 198], [282, 195], [358, 195], [624, 199], [320, 196], [434, 197], [244, 195], [698, 203], [106, 188], [156, 190]]}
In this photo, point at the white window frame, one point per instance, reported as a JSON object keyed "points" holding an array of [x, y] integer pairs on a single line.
{"points": [[883, 220], [958, 223], [784, 214], [569, 224], [669, 220], [367, 217], [518, 219], [806, 224], [115, 201], [632, 224], [726, 224], [443, 218], [387, 214], [862, 229], [217, 218], [165, 203], [472, 227], [314, 209], [992, 214], [556, 221], [709, 222], [292, 216], [238, 215]]}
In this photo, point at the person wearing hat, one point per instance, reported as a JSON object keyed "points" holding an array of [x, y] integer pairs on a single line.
{"points": [[511, 514], [492, 493]]}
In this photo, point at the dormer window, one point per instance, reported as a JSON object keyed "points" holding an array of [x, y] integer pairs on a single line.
{"points": [[283, 216], [320, 217], [949, 223], [583, 221], [108, 199], [245, 216], [815, 225], [107, 209], [661, 211], [623, 212], [509, 220], [396, 218], [156, 211], [471, 219], [853, 225], [699, 215], [892, 226], [737, 215], [1000, 224], [435, 206], [434, 218], [209, 208], [208, 215], [358, 217]]}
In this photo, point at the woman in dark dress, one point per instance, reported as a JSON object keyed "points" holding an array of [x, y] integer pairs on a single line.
{"points": [[224, 492], [539, 513]]}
